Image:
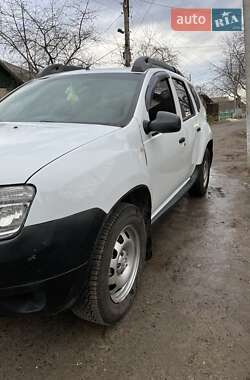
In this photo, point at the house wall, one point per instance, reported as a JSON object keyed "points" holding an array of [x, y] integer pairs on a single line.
{"points": [[3, 91], [213, 111], [6, 81], [227, 110], [227, 106]]}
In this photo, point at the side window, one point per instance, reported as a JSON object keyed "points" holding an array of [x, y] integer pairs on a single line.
{"points": [[196, 97], [161, 99], [187, 108]]}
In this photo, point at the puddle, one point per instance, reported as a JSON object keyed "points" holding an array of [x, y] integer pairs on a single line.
{"points": [[217, 191]]}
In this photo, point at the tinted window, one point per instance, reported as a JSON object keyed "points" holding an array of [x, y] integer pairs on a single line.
{"points": [[82, 98], [161, 99], [196, 97], [186, 104]]}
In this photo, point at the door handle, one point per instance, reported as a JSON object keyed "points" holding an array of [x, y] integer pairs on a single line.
{"points": [[198, 129], [182, 140]]}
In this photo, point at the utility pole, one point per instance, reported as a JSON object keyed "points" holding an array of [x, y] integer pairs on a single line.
{"points": [[246, 6], [127, 51]]}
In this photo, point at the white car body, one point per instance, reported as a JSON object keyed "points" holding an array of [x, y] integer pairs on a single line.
{"points": [[80, 167]]}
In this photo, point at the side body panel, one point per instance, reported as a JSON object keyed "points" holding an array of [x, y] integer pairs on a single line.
{"points": [[204, 136]]}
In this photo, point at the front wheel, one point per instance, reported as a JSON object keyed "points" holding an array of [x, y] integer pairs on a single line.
{"points": [[117, 262], [200, 186]]}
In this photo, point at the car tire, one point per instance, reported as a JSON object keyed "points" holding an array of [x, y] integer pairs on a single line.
{"points": [[117, 263], [200, 186]]}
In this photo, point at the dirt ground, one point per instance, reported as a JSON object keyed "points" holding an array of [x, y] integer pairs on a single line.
{"points": [[191, 319]]}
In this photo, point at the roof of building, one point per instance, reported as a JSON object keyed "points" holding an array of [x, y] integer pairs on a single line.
{"points": [[225, 100], [221, 99], [20, 74], [207, 99]]}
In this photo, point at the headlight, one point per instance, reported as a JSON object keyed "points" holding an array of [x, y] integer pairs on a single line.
{"points": [[15, 202]]}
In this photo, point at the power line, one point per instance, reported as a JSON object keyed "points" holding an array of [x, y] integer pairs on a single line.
{"points": [[147, 11], [112, 23], [160, 5], [105, 55]]}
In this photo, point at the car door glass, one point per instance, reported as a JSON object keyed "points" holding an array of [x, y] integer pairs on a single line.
{"points": [[161, 99], [196, 97], [187, 107]]}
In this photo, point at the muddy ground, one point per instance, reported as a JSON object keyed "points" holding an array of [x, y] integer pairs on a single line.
{"points": [[191, 319]]}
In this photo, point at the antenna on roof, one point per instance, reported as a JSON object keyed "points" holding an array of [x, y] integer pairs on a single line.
{"points": [[144, 63]]}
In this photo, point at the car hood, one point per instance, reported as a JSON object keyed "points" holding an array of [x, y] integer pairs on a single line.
{"points": [[27, 147]]}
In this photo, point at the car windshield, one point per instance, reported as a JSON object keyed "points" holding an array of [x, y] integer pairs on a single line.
{"points": [[103, 98]]}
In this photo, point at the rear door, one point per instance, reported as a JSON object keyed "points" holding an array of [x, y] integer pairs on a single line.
{"points": [[200, 120], [190, 123]]}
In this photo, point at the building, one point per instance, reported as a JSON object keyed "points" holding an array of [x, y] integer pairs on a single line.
{"points": [[229, 108], [11, 76], [212, 108], [222, 108]]}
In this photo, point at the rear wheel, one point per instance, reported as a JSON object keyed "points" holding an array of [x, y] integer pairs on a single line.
{"points": [[117, 262], [200, 186]]}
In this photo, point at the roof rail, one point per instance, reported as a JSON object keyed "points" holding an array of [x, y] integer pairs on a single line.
{"points": [[144, 63], [57, 68]]}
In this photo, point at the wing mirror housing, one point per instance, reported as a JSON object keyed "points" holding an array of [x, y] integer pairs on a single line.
{"points": [[165, 122]]}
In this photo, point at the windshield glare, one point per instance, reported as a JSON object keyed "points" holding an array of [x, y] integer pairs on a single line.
{"points": [[108, 99]]}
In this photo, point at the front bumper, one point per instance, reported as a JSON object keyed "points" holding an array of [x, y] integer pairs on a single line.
{"points": [[52, 295], [46, 266]]}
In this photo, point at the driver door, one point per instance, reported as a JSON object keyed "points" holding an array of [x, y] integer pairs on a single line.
{"points": [[164, 151]]}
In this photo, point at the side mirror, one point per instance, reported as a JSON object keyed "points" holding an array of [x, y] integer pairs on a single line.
{"points": [[165, 122]]}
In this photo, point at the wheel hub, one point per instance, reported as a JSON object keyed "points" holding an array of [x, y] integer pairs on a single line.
{"points": [[124, 264]]}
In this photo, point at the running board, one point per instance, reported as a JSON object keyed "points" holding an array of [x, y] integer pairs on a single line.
{"points": [[177, 196]]}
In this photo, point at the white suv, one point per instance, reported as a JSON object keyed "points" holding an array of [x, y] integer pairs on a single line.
{"points": [[89, 159]]}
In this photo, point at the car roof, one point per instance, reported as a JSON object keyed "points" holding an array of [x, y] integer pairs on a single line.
{"points": [[126, 71]]}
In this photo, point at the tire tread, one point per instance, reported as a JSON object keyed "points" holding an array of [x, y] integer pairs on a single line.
{"points": [[87, 306]]}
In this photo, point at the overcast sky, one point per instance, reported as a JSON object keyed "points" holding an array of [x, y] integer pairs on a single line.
{"points": [[196, 49]]}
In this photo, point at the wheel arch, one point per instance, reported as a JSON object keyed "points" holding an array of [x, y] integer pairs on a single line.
{"points": [[210, 147], [205, 144], [140, 196]]}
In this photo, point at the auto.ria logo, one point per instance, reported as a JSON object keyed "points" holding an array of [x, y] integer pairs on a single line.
{"points": [[227, 19], [206, 19]]}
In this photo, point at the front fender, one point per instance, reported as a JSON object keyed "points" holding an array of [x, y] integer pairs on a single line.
{"points": [[94, 176]]}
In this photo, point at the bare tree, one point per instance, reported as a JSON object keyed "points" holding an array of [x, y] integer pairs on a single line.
{"points": [[153, 46], [39, 36], [207, 88], [230, 73]]}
